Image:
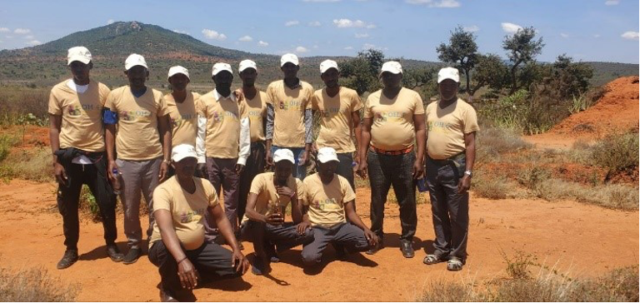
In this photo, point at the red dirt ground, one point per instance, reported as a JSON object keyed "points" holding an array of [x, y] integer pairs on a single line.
{"points": [[581, 240]]}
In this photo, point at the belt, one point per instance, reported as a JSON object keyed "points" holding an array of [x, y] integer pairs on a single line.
{"points": [[454, 159], [391, 152]]}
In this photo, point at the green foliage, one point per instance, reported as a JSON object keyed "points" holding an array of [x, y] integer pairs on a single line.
{"points": [[521, 48], [573, 78], [361, 73], [462, 51], [490, 71], [88, 203], [6, 142], [617, 152]]}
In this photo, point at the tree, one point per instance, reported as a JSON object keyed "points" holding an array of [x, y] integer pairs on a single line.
{"points": [[521, 48], [361, 73], [462, 51], [572, 78], [490, 71]]}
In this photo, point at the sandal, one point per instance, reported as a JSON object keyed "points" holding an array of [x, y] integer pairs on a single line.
{"points": [[454, 264], [432, 259]]}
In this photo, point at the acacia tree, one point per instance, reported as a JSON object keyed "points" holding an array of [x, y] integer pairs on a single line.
{"points": [[521, 48], [490, 71], [462, 52], [361, 73]]}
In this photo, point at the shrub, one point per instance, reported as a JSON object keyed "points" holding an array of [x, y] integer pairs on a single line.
{"points": [[6, 142], [494, 187], [617, 152], [33, 285]]}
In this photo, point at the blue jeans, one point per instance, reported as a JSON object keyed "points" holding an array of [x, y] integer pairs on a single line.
{"points": [[299, 171]]}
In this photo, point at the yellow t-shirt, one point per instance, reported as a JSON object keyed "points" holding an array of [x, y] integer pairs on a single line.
{"points": [[326, 201], [257, 112], [223, 124], [336, 123], [81, 115], [138, 137], [393, 127], [263, 186], [447, 126], [187, 210], [184, 118], [288, 107]]}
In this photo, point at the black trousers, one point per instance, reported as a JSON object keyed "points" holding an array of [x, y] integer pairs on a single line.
{"points": [[255, 165], [345, 235], [93, 175], [262, 235], [386, 171], [210, 260]]}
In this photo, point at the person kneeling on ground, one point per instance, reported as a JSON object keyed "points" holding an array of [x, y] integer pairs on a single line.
{"points": [[269, 196], [329, 202], [177, 245]]}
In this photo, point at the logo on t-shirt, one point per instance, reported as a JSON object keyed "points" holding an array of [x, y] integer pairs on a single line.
{"points": [[388, 116], [76, 110], [225, 115], [327, 204], [135, 115], [439, 126], [292, 104], [191, 216], [330, 112], [181, 119]]}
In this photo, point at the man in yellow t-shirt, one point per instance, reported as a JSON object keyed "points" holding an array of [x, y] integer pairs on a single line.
{"points": [[329, 202], [227, 141], [270, 195], [142, 158], [451, 149], [289, 115], [256, 102], [177, 245], [77, 142], [339, 109], [391, 151], [185, 112]]}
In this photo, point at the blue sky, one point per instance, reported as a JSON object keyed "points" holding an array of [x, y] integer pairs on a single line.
{"points": [[588, 30]]}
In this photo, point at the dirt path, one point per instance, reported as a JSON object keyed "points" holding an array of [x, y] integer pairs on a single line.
{"points": [[583, 240]]}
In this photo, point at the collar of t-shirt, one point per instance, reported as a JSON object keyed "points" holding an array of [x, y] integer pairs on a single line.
{"points": [[218, 95], [139, 93], [80, 89], [298, 84]]}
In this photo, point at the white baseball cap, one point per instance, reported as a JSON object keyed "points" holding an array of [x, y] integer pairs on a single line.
{"points": [[393, 67], [178, 70], [449, 73], [289, 58], [133, 60], [220, 66], [327, 154], [327, 64], [182, 151], [283, 154], [244, 64], [78, 53]]}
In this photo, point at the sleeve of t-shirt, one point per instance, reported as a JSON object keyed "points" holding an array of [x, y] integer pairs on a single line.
{"points": [[301, 192], [470, 121], [356, 103], [270, 95], [368, 113], [162, 105], [212, 195], [419, 107], [349, 195], [161, 199], [304, 187], [111, 102], [315, 101], [309, 97], [104, 93], [243, 110], [257, 185], [266, 101], [54, 105]]}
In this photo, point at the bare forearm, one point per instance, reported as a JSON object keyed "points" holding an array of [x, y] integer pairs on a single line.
{"points": [[364, 143], [227, 231], [172, 243], [110, 141], [296, 211], [421, 140], [470, 154]]}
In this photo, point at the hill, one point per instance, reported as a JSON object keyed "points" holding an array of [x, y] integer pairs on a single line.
{"points": [[44, 65]]}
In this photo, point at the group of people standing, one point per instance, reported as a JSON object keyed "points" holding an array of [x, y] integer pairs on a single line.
{"points": [[180, 150]]}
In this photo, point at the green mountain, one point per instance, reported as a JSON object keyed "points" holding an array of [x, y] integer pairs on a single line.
{"points": [[45, 65]]}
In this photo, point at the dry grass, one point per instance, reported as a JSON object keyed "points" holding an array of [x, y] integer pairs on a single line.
{"points": [[35, 165], [33, 285]]}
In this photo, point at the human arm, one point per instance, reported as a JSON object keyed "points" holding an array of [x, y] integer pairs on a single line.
{"points": [[186, 271], [355, 220], [55, 122], [470, 153], [421, 139]]}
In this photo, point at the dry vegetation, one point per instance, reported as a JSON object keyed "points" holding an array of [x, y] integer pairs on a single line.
{"points": [[33, 285]]}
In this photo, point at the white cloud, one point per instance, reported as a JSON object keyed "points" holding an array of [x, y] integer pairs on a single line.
{"points": [[315, 23], [9, 37], [360, 36], [246, 39], [348, 48], [612, 2], [563, 35], [30, 37], [596, 36], [262, 43], [471, 28], [630, 35], [211, 34], [345, 23], [34, 42], [22, 31], [436, 4], [4, 30], [110, 21], [180, 32], [301, 49], [292, 23], [510, 28]]}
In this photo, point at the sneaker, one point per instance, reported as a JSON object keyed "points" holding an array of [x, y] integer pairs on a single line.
{"points": [[374, 249], [259, 267], [114, 253], [270, 250], [132, 256], [70, 256], [407, 248]]}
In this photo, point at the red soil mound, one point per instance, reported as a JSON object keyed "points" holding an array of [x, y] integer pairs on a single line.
{"points": [[616, 111]]}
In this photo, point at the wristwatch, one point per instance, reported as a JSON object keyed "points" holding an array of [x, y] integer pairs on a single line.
{"points": [[167, 161], [468, 173]]}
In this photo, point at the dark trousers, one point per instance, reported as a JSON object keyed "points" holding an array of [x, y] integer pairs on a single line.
{"points": [[385, 171], [94, 176], [450, 210], [264, 235], [255, 166], [222, 173], [345, 168], [345, 235], [210, 259]]}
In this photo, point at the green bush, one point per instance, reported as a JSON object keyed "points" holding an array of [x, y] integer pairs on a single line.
{"points": [[617, 152]]}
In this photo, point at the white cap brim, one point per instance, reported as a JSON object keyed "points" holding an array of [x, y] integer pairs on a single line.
{"points": [[78, 58]]}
